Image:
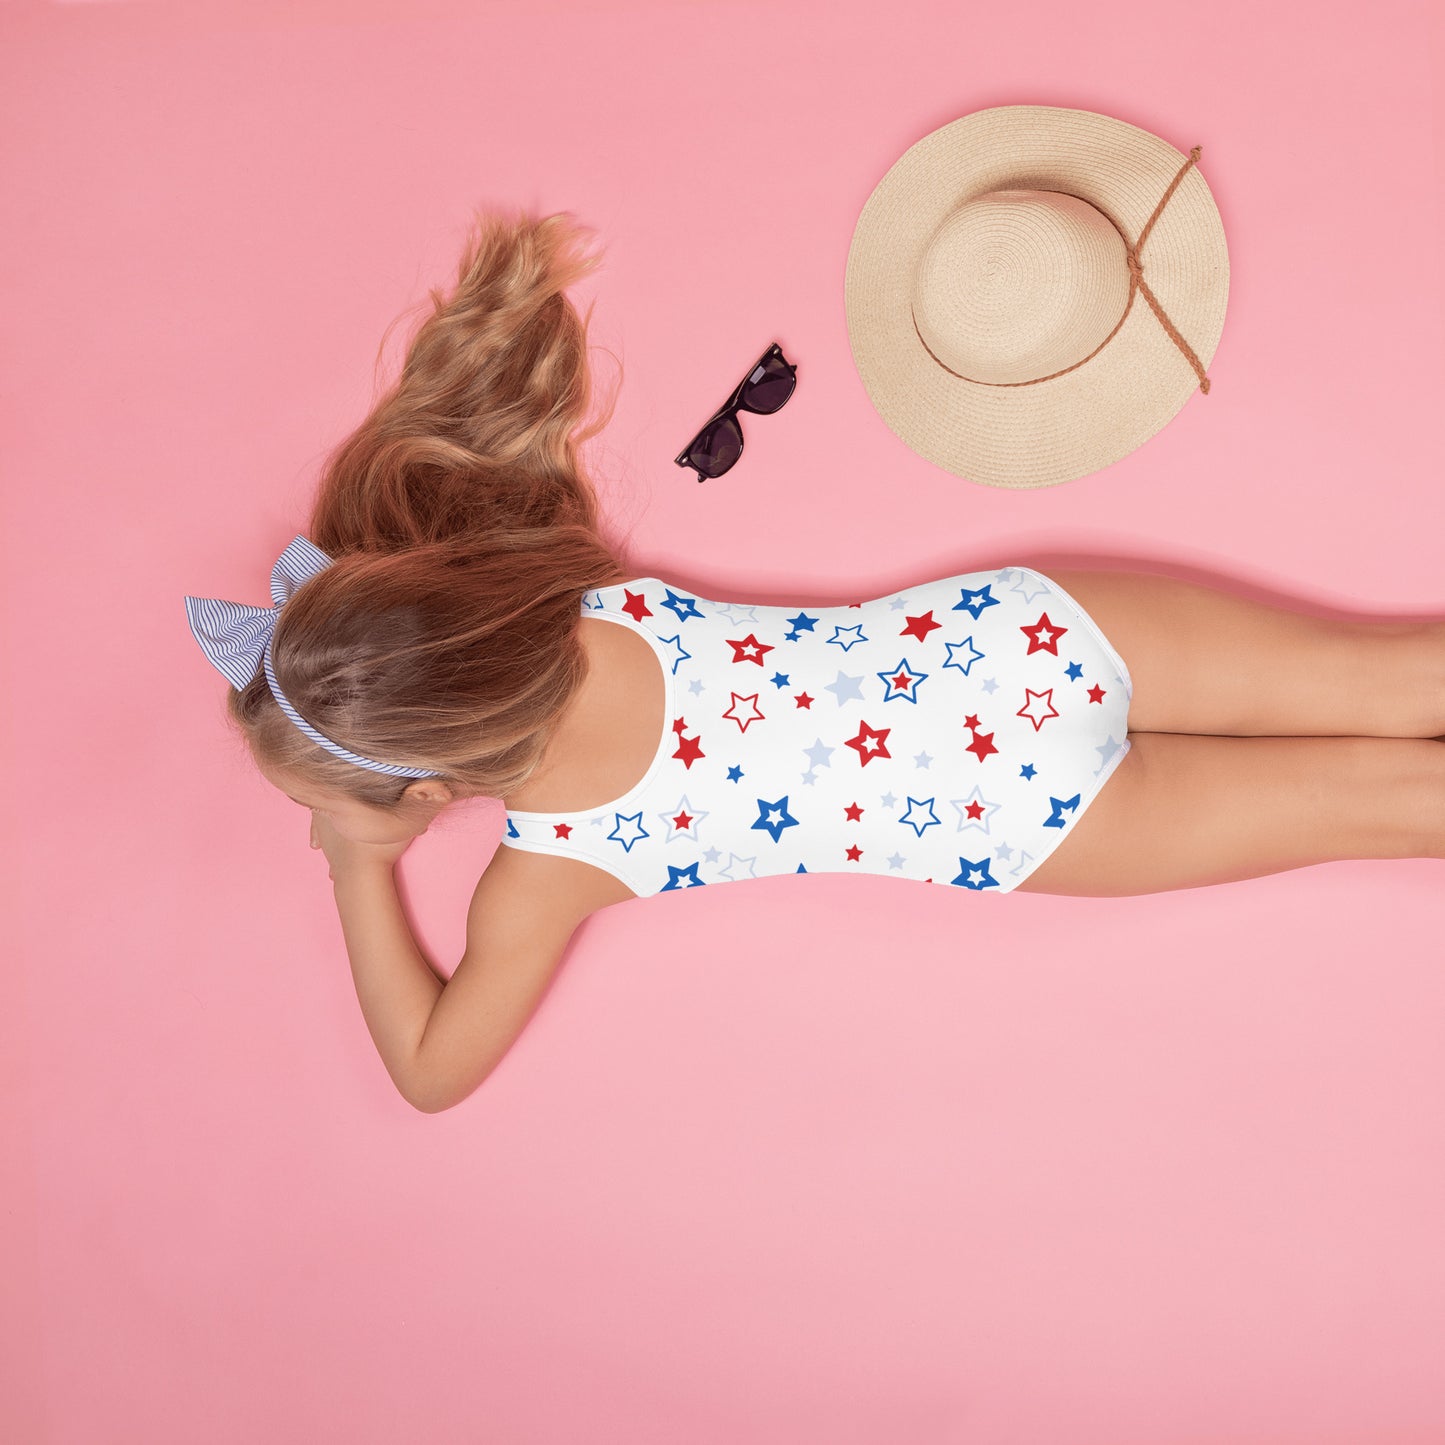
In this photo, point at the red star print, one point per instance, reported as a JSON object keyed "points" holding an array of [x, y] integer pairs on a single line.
{"points": [[1096, 693], [803, 700], [854, 853], [679, 725], [971, 721], [682, 820], [974, 810], [635, 607], [749, 649], [901, 682], [864, 733], [690, 750], [920, 627], [982, 744], [1043, 636], [853, 811], [563, 830]]}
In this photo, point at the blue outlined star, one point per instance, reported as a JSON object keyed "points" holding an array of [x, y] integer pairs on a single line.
{"points": [[681, 655], [968, 868], [627, 841], [1074, 671], [682, 878], [512, 829], [800, 624], [774, 826], [975, 599], [902, 681], [684, 607], [974, 654], [1056, 818], [913, 822], [836, 640]]}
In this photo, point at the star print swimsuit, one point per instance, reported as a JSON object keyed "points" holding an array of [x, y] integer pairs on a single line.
{"points": [[952, 733]]}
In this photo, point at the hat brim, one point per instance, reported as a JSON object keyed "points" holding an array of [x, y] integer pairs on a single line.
{"points": [[1074, 424]]}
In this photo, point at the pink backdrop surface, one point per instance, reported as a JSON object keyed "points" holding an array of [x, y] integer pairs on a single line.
{"points": [[826, 1160]]}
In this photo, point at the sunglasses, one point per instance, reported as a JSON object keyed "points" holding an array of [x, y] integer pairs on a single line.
{"points": [[720, 443]]}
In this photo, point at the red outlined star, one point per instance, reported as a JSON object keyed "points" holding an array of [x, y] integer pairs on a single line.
{"points": [[1043, 636], [1047, 698], [920, 627], [635, 607], [742, 722], [864, 736], [749, 649]]}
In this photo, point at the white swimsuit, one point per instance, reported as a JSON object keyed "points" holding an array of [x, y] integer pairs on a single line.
{"points": [[950, 733]]}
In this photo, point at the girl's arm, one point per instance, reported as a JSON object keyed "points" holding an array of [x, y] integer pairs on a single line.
{"points": [[440, 1039], [396, 986]]}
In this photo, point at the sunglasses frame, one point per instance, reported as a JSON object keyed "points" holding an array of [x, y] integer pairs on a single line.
{"points": [[731, 407]]}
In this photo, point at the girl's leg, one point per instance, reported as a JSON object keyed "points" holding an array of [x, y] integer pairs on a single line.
{"points": [[1185, 811], [1207, 661]]}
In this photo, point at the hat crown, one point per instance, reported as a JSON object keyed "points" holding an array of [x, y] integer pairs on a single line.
{"points": [[1015, 285]]}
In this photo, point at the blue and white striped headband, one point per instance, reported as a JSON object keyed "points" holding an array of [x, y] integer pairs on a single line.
{"points": [[236, 637]]}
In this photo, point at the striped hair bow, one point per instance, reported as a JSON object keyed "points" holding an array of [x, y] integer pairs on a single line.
{"points": [[236, 637]]}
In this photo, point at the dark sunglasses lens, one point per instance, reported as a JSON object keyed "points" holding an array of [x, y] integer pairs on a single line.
{"points": [[769, 386], [717, 448]]}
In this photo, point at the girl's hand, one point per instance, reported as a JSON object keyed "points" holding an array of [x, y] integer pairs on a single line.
{"points": [[345, 854]]}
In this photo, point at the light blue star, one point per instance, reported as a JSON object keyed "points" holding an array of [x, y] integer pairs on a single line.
{"points": [[844, 687], [819, 754]]}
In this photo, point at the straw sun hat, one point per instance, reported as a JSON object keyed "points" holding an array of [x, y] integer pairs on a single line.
{"points": [[1032, 292]]}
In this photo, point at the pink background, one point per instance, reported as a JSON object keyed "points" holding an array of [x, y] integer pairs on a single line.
{"points": [[833, 1160]]}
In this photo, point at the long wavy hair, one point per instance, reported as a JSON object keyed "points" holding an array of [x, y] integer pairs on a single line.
{"points": [[464, 534]]}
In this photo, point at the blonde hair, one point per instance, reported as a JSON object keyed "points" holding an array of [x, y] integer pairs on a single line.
{"points": [[464, 534]]}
